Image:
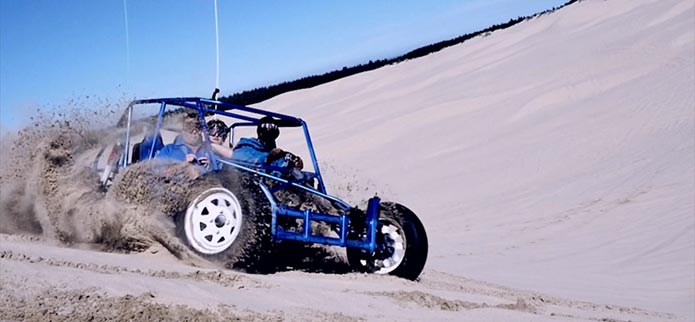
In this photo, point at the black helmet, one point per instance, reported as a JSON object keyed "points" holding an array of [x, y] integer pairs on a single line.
{"points": [[267, 129]]}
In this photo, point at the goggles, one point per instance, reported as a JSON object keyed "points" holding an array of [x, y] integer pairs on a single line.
{"points": [[269, 126]]}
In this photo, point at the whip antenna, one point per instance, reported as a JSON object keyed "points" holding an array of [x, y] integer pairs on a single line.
{"points": [[127, 43], [217, 48]]}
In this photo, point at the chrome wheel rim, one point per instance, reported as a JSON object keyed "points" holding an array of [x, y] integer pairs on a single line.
{"points": [[391, 250]]}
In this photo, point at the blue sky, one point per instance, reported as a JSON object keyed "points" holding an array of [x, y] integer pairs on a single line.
{"points": [[55, 51]]}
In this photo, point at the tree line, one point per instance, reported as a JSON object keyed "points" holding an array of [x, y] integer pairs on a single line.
{"points": [[260, 94]]}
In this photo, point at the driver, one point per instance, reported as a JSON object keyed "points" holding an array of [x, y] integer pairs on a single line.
{"points": [[263, 149]]}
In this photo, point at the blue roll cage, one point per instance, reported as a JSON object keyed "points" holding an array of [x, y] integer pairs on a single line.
{"points": [[207, 106]]}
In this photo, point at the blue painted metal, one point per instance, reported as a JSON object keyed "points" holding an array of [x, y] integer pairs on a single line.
{"points": [[160, 117], [322, 187], [273, 208], [126, 146], [192, 102], [224, 106], [337, 202], [372, 220], [307, 217], [306, 235], [239, 124]]}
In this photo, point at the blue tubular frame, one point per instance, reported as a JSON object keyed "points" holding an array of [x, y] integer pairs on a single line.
{"points": [[162, 107], [322, 187], [126, 154], [201, 105]]}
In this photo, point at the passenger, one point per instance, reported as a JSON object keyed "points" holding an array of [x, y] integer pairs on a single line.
{"points": [[218, 132], [263, 149], [188, 147]]}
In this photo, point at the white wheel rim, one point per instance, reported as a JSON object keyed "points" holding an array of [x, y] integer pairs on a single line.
{"points": [[393, 238], [213, 221]]}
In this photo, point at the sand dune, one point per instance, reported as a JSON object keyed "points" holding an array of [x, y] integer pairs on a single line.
{"points": [[552, 163], [556, 155]]}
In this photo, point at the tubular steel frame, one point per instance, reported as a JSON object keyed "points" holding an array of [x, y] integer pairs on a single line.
{"points": [[205, 107]]}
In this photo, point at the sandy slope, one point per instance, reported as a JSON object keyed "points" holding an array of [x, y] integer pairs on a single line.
{"points": [[556, 157]]}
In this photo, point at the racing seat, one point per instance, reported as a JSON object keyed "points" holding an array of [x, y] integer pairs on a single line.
{"points": [[141, 151], [135, 156]]}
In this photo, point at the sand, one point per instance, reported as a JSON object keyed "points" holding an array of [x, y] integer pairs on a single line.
{"points": [[552, 164]]}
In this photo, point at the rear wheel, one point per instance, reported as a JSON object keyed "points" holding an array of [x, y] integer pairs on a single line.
{"points": [[228, 221], [401, 245], [213, 220]]}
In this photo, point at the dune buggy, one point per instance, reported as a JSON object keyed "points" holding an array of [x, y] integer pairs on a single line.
{"points": [[241, 210]]}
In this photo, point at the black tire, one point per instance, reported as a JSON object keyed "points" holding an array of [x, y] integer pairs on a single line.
{"points": [[395, 219], [250, 248]]}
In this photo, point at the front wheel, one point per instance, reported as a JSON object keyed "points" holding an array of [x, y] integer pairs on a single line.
{"points": [[401, 245]]}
